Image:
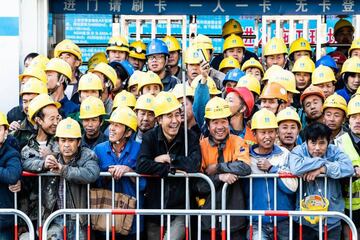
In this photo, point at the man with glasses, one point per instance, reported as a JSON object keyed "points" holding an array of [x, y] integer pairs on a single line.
{"points": [[157, 55]]}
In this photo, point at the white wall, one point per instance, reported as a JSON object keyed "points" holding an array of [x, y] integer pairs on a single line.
{"points": [[9, 62]]}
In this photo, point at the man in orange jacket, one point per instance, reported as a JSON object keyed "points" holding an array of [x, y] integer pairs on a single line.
{"points": [[225, 157]]}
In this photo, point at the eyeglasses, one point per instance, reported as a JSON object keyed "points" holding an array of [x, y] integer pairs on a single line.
{"points": [[155, 57]]}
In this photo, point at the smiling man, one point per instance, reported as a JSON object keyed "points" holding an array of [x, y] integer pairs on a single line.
{"points": [[163, 152]]}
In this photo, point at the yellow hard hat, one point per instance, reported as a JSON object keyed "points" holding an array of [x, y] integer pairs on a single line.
{"points": [[135, 78], [172, 43], [252, 63], [203, 41], [124, 98], [342, 23], [145, 102], [36, 72], [68, 128], [217, 108], [354, 45], [39, 61], [192, 55], [178, 90], [60, 66], [231, 27], [314, 203], [303, 64], [125, 116], [165, 102], [351, 65], [67, 46], [353, 106], [270, 71], [137, 50], [229, 62], [210, 83], [263, 119], [150, 78], [33, 85], [91, 107], [107, 70], [288, 114], [286, 79], [118, 43], [233, 41], [322, 74], [250, 82], [3, 120], [99, 57], [275, 46], [300, 44], [274, 90], [335, 101], [40, 101], [90, 81]]}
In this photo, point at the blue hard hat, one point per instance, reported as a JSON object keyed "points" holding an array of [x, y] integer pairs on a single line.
{"points": [[233, 75], [124, 66], [157, 46], [327, 61]]}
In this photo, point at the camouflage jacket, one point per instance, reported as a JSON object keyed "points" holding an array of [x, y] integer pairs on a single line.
{"points": [[24, 133]]}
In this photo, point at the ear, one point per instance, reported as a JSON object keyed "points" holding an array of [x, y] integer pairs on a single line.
{"points": [[243, 109], [37, 120], [77, 63], [128, 133], [79, 142], [159, 120]]}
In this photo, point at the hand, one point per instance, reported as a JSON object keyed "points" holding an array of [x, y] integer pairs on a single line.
{"points": [[44, 151], [211, 169], [311, 176], [164, 158], [205, 70], [263, 165], [117, 171], [50, 162], [228, 178], [14, 125], [16, 187], [357, 171]]}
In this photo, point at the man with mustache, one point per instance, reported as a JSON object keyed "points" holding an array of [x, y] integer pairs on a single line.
{"points": [[349, 143], [92, 112], [162, 153], [289, 128], [225, 157], [334, 109], [312, 100]]}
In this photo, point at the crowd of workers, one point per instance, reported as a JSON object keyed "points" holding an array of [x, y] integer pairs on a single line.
{"points": [[237, 114]]}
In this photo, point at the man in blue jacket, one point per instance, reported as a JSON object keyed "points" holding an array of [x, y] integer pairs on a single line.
{"points": [[10, 173], [312, 158], [267, 157], [118, 156]]}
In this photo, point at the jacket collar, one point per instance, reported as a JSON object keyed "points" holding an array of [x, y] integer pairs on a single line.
{"points": [[276, 151]]}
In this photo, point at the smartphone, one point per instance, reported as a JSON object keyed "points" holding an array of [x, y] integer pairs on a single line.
{"points": [[202, 55]]}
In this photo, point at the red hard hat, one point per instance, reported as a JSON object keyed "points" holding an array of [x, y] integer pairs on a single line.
{"points": [[338, 57], [246, 96]]}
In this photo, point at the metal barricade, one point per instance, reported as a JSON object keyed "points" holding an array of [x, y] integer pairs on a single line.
{"points": [[199, 213], [225, 234], [137, 176], [17, 213]]}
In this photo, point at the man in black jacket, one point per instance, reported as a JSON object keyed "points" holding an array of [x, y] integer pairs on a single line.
{"points": [[163, 152]]}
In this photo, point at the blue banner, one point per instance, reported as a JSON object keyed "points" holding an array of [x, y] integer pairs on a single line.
{"points": [[201, 7]]}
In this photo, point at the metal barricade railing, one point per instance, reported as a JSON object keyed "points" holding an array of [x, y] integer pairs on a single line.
{"points": [[225, 234], [137, 184], [23, 216], [199, 213]]}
